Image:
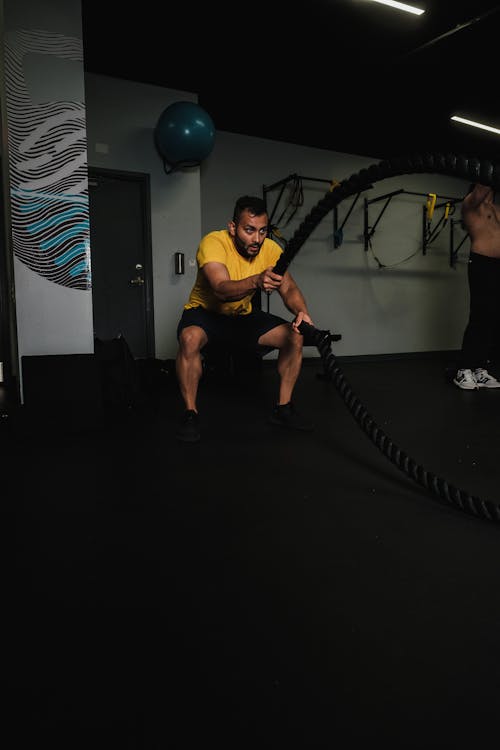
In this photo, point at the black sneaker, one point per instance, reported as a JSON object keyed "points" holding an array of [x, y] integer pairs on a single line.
{"points": [[286, 416], [189, 430]]}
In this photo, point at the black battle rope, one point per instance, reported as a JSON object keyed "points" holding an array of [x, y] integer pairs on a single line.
{"points": [[471, 169]]}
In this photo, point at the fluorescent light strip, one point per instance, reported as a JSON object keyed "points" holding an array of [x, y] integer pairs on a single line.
{"points": [[476, 124], [401, 6]]}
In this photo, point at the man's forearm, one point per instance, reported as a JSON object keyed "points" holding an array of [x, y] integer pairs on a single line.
{"points": [[295, 302], [232, 291]]}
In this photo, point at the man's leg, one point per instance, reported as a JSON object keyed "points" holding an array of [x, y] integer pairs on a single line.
{"points": [[289, 343], [188, 363]]}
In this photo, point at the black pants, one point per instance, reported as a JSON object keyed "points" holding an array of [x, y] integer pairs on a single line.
{"points": [[481, 335]]}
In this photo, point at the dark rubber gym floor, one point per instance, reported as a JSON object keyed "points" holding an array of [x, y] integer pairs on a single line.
{"points": [[260, 589]]}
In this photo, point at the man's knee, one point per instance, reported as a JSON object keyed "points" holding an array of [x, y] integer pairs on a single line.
{"points": [[292, 341], [296, 339], [192, 339], [284, 338]]}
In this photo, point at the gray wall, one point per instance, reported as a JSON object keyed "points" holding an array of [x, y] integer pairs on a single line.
{"points": [[415, 306]]}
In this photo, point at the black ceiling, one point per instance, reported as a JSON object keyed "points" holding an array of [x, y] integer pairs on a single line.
{"points": [[347, 75]]}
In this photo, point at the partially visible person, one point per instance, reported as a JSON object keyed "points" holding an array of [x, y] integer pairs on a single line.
{"points": [[233, 264], [481, 219]]}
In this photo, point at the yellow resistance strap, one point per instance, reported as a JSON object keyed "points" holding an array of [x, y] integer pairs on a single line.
{"points": [[431, 202]]}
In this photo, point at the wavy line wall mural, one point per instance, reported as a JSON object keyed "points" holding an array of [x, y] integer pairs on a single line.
{"points": [[48, 166]]}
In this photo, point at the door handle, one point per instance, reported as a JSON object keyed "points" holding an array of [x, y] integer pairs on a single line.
{"points": [[138, 281]]}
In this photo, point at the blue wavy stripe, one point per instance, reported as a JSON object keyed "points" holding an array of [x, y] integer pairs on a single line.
{"points": [[79, 249], [59, 238], [82, 267]]}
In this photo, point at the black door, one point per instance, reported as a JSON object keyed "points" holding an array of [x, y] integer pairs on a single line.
{"points": [[120, 254]]}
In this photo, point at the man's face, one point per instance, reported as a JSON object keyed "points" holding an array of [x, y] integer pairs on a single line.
{"points": [[249, 233]]}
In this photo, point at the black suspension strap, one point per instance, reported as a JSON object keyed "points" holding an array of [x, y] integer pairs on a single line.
{"points": [[471, 169]]}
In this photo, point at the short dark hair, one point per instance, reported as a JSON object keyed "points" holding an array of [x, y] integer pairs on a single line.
{"points": [[255, 206]]}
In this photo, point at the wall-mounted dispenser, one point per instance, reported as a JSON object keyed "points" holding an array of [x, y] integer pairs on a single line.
{"points": [[179, 263]]}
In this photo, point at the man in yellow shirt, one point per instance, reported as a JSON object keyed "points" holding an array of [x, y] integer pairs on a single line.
{"points": [[233, 264]]}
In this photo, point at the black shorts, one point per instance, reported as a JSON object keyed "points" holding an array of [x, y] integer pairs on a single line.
{"points": [[237, 330]]}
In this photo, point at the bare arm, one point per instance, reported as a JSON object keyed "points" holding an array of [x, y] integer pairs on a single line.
{"points": [[294, 300], [228, 290]]}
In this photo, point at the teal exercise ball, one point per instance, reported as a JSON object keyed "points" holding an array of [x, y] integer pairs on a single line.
{"points": [[184, 134]]}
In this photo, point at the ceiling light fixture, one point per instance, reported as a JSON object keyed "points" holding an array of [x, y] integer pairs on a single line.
{"points": [[476, 124], [401, 6]]}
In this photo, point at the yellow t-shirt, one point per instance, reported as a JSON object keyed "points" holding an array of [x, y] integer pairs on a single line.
{"points": [[218, 246]]}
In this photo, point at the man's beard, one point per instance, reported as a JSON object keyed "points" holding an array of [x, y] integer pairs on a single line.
{"points": [[243, 249]]}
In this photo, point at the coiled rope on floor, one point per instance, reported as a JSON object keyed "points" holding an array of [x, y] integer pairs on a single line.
{"points": [[471, 169]]}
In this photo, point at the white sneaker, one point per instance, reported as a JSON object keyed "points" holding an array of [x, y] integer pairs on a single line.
{"points": [[466, 380], [484, 379]]}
